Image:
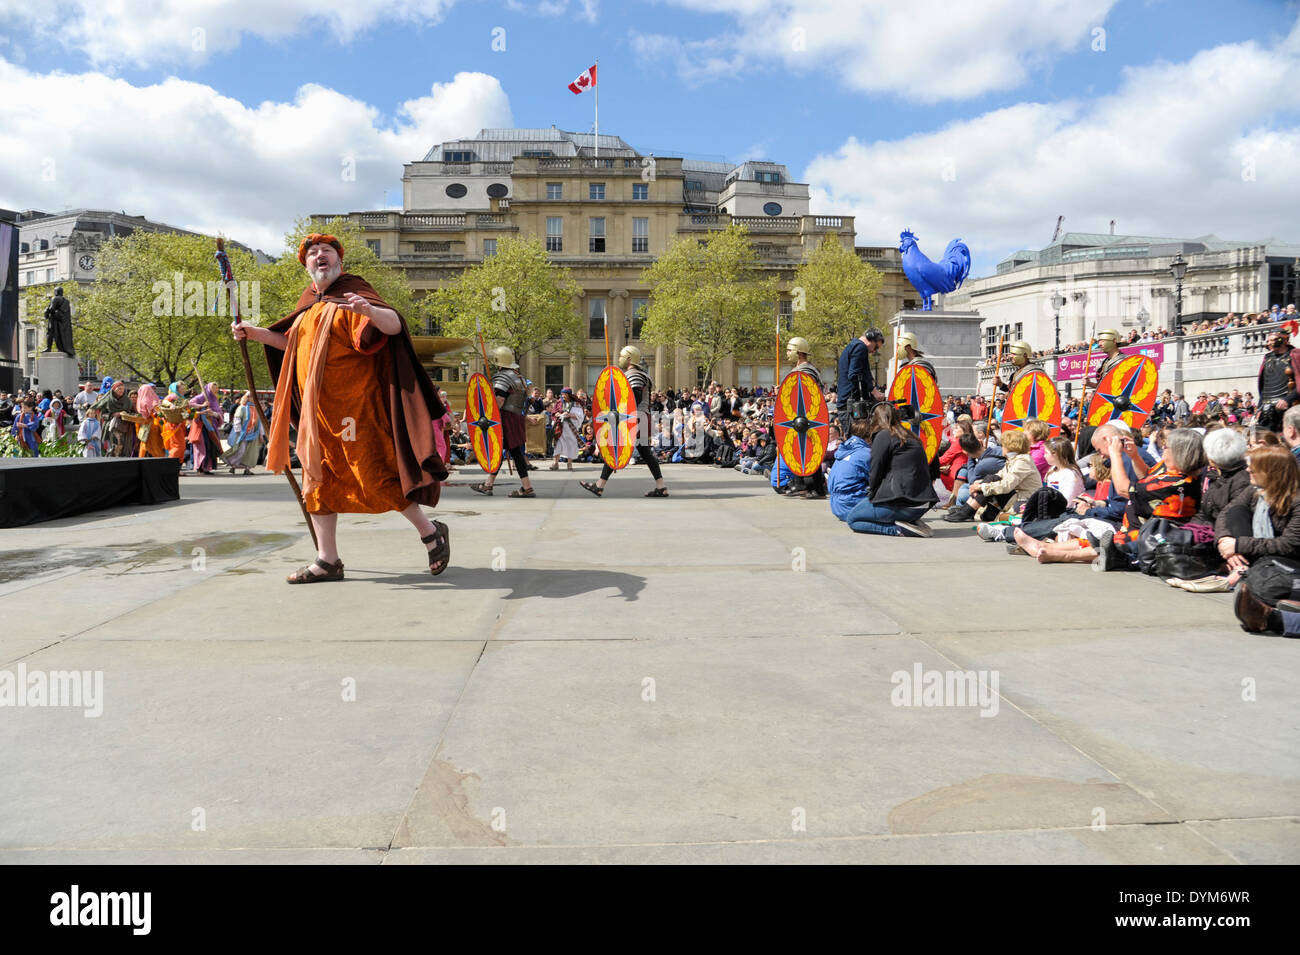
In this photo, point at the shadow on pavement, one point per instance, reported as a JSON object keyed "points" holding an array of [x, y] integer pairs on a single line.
{"points": [[523, 583]]}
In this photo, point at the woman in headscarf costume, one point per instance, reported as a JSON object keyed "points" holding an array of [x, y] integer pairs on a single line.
{"points": [[147, 428], [204, 436]]}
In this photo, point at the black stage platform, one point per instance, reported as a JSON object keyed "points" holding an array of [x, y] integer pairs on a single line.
{"points": [[43, 489]]}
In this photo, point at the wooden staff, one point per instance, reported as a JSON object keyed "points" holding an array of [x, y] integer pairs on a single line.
{"points": [[777, 379], [228, 279], [997, 373], [1083, 402]]}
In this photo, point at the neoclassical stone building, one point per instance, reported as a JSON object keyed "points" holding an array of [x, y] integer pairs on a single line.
{"points": [[605, 211]]}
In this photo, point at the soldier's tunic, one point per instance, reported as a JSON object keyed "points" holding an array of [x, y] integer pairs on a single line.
{"points": [[512, 393]]}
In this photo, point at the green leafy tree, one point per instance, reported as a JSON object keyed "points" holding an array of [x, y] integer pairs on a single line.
{"points": [[156, 309], [710, 298], [835, 295], [520, 298]]}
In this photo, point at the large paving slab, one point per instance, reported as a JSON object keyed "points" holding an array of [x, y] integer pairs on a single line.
{"points": [[706, 678]]}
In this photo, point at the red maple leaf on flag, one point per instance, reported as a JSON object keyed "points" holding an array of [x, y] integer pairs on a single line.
{"points": [[586, 79]]}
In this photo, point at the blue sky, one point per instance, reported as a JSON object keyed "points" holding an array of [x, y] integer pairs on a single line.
{"points": [[705, 78]]}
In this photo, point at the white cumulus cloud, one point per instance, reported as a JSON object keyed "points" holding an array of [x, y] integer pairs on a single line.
{"points": [[922, 50], [1180, 149], [116, 32], [182, 153]]}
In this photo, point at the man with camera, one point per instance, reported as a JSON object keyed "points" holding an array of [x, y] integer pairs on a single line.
{"points": [[855, 389]]}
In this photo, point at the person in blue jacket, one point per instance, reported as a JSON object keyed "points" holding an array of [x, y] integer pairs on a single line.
{"points": [[850, 475]]}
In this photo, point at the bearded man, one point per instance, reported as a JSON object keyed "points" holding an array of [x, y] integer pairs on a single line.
{"points": [[363, 406]]}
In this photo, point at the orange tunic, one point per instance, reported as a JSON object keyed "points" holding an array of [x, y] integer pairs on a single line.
{"points": [[173, 437], [359, 460]]}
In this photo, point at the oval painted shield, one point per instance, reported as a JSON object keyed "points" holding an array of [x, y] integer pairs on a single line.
{"points": [[483, 418], [916, 388], [614, 413], [1128, 391], [1033, 396], [802, 423]]}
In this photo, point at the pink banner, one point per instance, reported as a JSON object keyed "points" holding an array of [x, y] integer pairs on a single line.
{"points": [[1070, 367]]}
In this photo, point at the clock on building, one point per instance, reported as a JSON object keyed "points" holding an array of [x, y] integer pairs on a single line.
{"points": [[86, 263]]}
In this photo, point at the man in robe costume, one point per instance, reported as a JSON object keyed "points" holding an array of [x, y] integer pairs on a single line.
{"points": [[348, 379]]}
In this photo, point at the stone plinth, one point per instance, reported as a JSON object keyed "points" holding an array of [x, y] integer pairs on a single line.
{"points": [[58, 372], [951, 342]]}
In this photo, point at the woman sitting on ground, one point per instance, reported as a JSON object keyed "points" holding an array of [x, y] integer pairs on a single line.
{"points": [[849, 478], [1226, 475], [1263, 520], [900, 492]]}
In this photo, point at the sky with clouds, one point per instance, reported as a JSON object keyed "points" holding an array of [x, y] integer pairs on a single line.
{"points": [[984, 119]]}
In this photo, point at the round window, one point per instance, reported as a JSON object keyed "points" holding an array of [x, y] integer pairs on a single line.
{"points": [[497, 191], [456, 190], [772, 208]]}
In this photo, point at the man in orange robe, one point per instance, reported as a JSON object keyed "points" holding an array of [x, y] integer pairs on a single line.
{"points": [[363, 406]]}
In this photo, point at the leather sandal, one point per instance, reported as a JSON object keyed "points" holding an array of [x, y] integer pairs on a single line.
{"points": [[441, 554], [520, 492], [482, 488], [657, 492], [303, 575], [592, 487]]}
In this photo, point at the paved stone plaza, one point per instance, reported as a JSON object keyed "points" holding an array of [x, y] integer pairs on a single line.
{"points": [[700, 679]]}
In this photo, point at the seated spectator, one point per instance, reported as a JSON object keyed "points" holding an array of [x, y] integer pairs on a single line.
{"points": [[1063, 471], [900, 492], [1263, 520], [849, 478], [1226, 474], [952, 460], [1007, 489], [970, 446], [1038, 432], [1171, 489]]}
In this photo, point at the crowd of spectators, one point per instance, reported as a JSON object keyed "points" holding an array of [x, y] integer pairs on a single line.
{"points": [[1140, 337], [116, 419]]}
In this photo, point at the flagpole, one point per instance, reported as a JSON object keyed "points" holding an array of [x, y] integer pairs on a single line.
{"points": [[597, 85]]}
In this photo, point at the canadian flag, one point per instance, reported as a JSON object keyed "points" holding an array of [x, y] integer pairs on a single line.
{"points": [[586, 80]]}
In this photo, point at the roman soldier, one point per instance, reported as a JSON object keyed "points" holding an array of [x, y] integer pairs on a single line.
{"points": [[1022, 356], [512, 394], [908, 352], [1277, 383], [1108, 339], [814, 485], [629, 359]]}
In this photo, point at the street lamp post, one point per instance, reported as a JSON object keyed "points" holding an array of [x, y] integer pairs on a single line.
{"points": [[1178, 269], [1058, 303]]}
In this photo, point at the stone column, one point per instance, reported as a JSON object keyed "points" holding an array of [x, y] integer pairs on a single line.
{"points": [[660, 355]]}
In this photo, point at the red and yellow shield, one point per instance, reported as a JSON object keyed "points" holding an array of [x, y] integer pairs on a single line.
{"points": [[1033, 396], [483, 419], [802, 423], [614, 414], [916, 388], [1128, 391]]}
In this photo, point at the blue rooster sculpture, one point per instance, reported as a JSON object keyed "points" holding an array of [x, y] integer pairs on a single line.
{"points": [[931, 278]]}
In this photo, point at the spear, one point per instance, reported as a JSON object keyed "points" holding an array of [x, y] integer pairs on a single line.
{"points": [[778, 393], [1083, 403], [228, 280], [997, 371]]}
